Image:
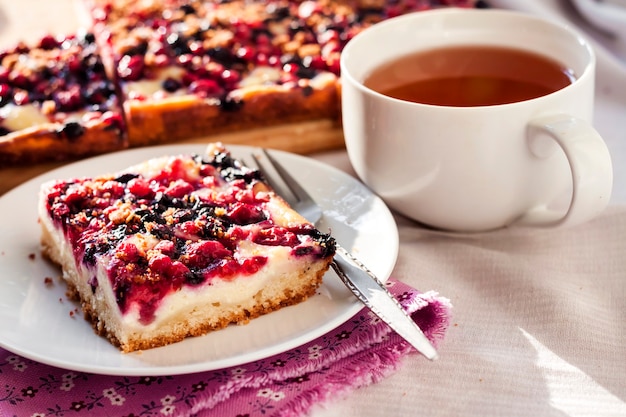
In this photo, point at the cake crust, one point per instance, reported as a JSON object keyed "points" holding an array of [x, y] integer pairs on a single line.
{"points": [[188, 117], [48, 143]]}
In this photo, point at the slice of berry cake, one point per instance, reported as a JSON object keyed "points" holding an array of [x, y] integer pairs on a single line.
{"points": [[178, 246], [56, 102]]}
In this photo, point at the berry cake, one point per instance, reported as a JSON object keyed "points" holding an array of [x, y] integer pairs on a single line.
{"points": [[184, 70], [178, 246], [56, 102], [190, 68]]}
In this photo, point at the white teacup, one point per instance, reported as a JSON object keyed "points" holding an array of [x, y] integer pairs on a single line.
{"points": [[537, 162]]}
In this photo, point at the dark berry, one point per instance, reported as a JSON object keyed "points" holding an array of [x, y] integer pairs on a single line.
{"points": [[223, 56], [178, 44], [170, 85], [231, 104], [194, 277], [307, 91], [72, 130], [89, 37], [124, 178], [99, 92], [277, 12], [303, 72], [121, 293], [21, 81], [187, 9], [303, 250], [139, 49]]}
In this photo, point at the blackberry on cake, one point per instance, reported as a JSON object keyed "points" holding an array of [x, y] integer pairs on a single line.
{"points": [[56, 102], [178, 246]]}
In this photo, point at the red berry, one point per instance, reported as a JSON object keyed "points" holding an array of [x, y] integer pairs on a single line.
{"points": [[48, 42], [4, 75], [205, 88], [69, 100], [179, 189], [230, 77], [314, 62], [252, 265], [200, 254], [189, 229], [166, 247], [140, 187], [21, 97], [261, 59], [159, 263], [5, 90], [128, 252], [113, 188], [74, 64], [291, 68], [112, 119], [131, 67], [177, 270], [276, 236], [246, 52]]}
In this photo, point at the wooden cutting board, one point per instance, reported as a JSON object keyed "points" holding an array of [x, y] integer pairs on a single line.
{"points": [[302, 138]]}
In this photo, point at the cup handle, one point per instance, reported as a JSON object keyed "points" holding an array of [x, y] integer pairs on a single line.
{"points": [[590, 164]]}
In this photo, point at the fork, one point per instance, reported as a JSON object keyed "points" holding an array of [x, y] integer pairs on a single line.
{"points": [[353, 273]]}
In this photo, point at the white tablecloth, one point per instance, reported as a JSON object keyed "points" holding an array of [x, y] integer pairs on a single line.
{"points": [[540, 316]]}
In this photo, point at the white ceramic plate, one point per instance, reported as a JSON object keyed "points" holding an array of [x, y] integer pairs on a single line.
{"points": [[39, 322]]}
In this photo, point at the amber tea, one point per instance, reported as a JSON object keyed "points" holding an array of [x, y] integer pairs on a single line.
{"points": [[467, 76]]}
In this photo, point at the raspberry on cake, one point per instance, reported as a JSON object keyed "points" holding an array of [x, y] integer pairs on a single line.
{"points": [[56, 102], [178, 246]]}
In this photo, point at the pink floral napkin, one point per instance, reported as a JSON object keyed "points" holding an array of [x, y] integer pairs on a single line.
{"points": [[360, 352]]}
